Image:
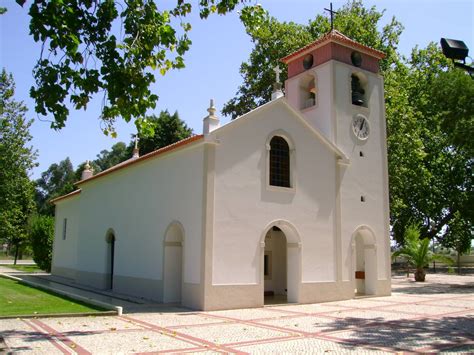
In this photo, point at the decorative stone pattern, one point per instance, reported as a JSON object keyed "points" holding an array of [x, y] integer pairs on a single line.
{"points": [[432, 317]]}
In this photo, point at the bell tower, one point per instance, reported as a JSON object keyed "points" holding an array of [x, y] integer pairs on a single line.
{"points": [[335, 84], [333, 76]]}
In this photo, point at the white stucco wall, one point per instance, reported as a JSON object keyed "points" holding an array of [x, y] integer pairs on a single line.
{"points": [[139, 203], [320, 115], [366, 176], [245, 204], [64, 250]]}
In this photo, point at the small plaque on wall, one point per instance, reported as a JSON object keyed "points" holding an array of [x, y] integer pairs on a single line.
{"points": [[360, 275]]}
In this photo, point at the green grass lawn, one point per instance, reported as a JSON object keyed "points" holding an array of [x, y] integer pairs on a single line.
{"points": [[17, 299], [25, 268]]}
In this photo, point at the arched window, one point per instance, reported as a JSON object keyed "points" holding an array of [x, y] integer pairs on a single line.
{"points": [[279, 162], [308, 91]]}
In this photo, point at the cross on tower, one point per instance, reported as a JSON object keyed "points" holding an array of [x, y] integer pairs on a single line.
{"points": [[331, 12], [277, 71]]}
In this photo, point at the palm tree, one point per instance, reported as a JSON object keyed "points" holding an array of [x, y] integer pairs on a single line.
{"points": [[417, 253]]}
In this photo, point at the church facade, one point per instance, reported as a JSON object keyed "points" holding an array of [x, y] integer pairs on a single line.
{"points": [[288, 201]]}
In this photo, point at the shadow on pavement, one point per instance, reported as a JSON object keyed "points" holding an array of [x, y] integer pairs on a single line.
{"points": [[408, 334], [427, 289]]}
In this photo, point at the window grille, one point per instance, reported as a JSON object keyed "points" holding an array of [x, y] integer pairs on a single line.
{"points": [[279, 162]]}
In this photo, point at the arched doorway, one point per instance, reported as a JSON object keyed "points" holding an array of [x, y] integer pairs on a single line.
{"points": [[110, 239], [173, 263], [364, 262], [281, 263]]}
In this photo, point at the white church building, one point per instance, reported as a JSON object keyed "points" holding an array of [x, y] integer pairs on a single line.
{"points": [[289, 201]]}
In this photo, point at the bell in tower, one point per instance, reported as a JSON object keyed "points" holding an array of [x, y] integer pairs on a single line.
{"points": [[358, 92]]}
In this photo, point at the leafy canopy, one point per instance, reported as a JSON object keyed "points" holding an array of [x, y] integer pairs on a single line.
{"points": [[430, 118], [167, 129], [108, 158], [58, 180], [113, 49], [17, 158]]}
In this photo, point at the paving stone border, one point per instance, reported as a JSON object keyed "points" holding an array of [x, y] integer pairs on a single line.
{"points": [[435, 317]]}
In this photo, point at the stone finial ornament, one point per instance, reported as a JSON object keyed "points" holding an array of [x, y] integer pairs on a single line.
{"points": [[87, 172], [211, 121], [212, 110]]}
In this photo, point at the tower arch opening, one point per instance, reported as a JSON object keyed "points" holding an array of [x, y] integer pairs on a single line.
{"points": [[308, 91], [364, 261]]}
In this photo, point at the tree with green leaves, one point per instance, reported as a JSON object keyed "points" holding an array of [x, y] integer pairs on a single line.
{"points": [[167, 129], [451, 93], [113, 49], [17, 158], [108, 158], [105, 159], [417, 252], [431, 179], [458, 237], [41, 233], [58, 180]]}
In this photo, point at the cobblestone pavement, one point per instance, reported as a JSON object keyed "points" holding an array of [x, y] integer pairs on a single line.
{"points": [[437, 316]]}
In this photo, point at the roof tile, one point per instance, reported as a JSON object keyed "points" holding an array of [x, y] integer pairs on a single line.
{"points": [[132, 161], [334, 36]]}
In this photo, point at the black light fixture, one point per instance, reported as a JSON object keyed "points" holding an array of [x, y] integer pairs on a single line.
{"points": [[457, 50], [454, 49]]}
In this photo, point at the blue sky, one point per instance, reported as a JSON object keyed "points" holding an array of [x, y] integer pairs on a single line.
{"points": [[212, 66]]}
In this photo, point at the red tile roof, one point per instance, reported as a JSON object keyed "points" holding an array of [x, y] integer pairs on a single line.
{"points": [[333, 36], [132, 161], [74, 193]]}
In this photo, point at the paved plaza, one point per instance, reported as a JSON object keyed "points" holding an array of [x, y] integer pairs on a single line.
{"points": [[437, 316]]}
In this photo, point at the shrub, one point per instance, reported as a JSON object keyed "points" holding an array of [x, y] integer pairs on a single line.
{"points": [[417, 253], [41, 236]]}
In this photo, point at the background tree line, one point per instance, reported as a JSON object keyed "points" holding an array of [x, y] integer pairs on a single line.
{"points": [[60, 177], [26, 215], [429, 106]]}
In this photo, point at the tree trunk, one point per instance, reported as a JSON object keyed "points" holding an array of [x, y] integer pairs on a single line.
{"points": [[16, 253], [459, 263], [420, 274]]}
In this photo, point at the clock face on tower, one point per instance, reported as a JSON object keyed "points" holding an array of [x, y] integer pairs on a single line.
{"points": [[360, 127]]}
